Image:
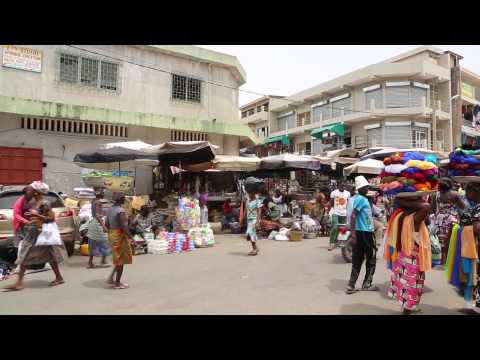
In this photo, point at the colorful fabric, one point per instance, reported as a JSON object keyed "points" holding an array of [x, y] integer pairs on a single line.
{"points": [[18, 214], [252, 207], [407, 280], [98, 248], [121, 249], [395, 168]]}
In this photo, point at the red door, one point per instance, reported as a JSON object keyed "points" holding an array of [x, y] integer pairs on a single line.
{"points": [[20, 166]]}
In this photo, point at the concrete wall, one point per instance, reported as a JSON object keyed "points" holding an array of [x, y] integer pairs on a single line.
{"points": [[142, 90]]}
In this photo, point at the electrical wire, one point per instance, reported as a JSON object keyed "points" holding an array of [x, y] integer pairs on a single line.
{"points": [[297, 102]]}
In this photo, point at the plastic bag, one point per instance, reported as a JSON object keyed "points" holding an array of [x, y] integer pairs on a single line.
{"points": [[49, 236]]}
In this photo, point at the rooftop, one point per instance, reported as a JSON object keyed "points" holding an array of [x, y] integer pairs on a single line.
{"points": [[259, 100], [204, 55]]}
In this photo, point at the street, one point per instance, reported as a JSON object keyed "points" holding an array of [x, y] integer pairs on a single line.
{"points": [[285, 278]]}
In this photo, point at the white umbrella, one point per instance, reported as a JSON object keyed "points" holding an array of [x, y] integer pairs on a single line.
{"points": [[235, 163], [133, 145], [368, 166]]}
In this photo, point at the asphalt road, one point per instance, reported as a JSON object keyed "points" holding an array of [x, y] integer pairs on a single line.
{"points": [[285, 278]]}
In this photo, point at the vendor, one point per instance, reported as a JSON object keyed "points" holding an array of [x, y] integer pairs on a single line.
{"points": [[228, 213], [279, 202], [142, 221]]}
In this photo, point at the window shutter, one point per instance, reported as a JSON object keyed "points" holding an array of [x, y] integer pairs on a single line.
{"points": [[398, 136], [397, 96], [337, 106], [375, 95], [324, 110], [416, 95]]}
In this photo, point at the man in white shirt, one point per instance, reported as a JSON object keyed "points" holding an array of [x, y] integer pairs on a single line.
{"points": [[338, 201]]}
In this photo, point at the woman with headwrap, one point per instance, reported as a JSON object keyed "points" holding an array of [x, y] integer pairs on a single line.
{"points": [[39, 213], [445, 207]]}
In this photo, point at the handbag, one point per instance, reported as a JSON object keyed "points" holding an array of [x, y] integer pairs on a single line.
{"points": [[50, 236]]}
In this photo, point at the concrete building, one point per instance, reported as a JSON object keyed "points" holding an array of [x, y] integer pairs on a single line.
{"points": [[407, 101], [68, 99]]}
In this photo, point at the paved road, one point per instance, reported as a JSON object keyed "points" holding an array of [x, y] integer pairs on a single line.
{"points": [[285, 278]]}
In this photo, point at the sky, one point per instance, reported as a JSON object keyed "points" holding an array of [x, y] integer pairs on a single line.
{"points": [[286, 69]]}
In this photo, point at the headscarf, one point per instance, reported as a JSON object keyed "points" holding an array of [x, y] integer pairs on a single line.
{"points": [[40, 187]]}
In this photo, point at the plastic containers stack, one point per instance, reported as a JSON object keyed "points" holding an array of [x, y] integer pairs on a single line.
{"points": [[187, 214], [202, 236]]}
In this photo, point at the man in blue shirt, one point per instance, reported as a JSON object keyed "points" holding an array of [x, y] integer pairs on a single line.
{"points": [[362, 239]]}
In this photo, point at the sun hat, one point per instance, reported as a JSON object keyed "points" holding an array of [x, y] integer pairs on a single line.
{"points": [[361, 182], [40, 187]]}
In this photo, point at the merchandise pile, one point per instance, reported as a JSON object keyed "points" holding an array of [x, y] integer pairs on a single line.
{"points": [[187, 214], [464, 163], [169, 243], [409, 172], [202, 236]]}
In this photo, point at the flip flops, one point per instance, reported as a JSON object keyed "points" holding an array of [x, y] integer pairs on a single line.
{"points": [[56, 282]]}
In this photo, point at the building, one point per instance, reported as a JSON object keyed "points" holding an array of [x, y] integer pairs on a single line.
{"points": [[66, 99], [416, 99]]}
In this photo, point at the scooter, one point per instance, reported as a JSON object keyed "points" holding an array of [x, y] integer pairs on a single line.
{"points": [[343, 242]]}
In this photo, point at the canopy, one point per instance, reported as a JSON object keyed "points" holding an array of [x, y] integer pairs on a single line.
{"points": [[380, 155], [235, 163], [133, 145], [184, 152], [337, 128], [114, 158], [368, 166], [290, 161], [282, 138]]}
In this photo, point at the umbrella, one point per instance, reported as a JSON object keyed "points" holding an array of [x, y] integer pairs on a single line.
{"points": [[387, 152], [290, 161], [183, 152], [132, 145], [114, 158], [368, 166], [235, 163]]}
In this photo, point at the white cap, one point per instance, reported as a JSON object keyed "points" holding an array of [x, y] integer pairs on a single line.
{"points": [[361, 182]]}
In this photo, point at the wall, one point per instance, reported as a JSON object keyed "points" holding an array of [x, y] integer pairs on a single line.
{"points": [[142, 90]]}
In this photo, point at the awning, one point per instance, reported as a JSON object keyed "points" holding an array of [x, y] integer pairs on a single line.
{"points": [[282, 138], [337, 128]]}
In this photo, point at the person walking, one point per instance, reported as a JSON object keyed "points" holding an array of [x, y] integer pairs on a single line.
{"points": [[39, 212], [338, 200], [120, 240], [254, 206], [363, 240], [19, 221], [446, 206]]}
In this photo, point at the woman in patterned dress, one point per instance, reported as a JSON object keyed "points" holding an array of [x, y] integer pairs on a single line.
{"points": [[412, 252], [254, 206]]}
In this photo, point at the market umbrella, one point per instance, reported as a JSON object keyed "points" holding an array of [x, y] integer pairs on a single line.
{"points": [[114, 159], [132, 145], [290, 161], [177, 153], [380, 155], [368, 166], [236, 163]]}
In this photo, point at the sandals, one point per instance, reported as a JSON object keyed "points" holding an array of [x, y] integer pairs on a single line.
{"points": [[13, 287], [370, 288], [351, 290], [253, 253], [56, 282], [93, 266], [120, 287]]}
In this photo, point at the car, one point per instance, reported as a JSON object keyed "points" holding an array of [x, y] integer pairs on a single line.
{"points": [[64, 216]]}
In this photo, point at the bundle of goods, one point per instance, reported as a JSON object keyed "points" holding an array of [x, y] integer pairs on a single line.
{"points": [[187, 214], [281, 235], [216, 215], [309, 227], [253, 184], [83, 193], [293, 186], [464, 163], [235, 228], [202, 236], [409, 172]]}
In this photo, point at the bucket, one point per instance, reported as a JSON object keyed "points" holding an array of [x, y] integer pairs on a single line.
{"points": [[296, 235]]}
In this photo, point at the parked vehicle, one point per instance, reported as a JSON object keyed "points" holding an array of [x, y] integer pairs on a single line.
{"points": [[8, 196], [343, 242]]}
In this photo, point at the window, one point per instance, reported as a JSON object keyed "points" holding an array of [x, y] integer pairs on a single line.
{"points": [[265, 106], [398, 136], [244, 114], [417, 92], [374, 137], [323, 111], [303, 119], [68, 68], [251, 112], [259, 108], [404, 94], [88, 72], [179, 135], [186, 88], [373, 93], [286, 121], [74, 127], [109, 76], [420, 137], [341, 107]]}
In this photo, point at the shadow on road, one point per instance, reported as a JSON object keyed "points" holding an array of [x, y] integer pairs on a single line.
{"points": [[97, 284], [337, 285], [337, 259], [238, 253], [37, 284]]}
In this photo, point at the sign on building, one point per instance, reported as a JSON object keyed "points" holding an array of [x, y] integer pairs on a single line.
{"points": [[22, 58], [467, 90]]}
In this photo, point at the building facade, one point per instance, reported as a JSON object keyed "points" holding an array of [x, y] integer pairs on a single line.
{"points": [[407, 101], [68, 99]]}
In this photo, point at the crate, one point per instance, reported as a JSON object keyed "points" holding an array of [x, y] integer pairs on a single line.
{"points": [[296, 235]]}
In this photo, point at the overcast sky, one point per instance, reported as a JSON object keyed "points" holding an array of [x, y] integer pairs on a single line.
{"points": [[287, 69]]}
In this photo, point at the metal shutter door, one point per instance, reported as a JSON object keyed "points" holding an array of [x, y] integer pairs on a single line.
{"points": [[416, 94], [338, 105], [397, 96], [282, 124], [290, 121], [398, 136], [374, 137], [324, 110], [375, 95]]}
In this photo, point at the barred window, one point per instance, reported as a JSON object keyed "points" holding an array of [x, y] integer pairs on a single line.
{"points": [[89, 72], [68, 68], [186, 88], [109, 76], [179, 135]]}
